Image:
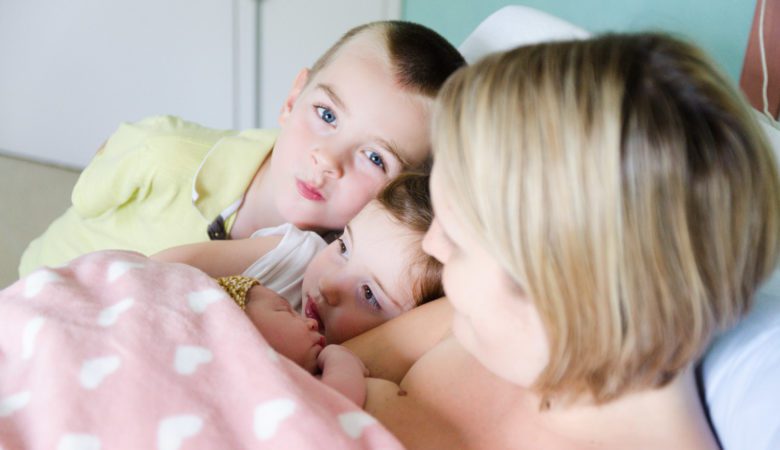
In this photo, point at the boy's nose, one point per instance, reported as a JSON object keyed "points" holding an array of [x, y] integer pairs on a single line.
{"points": [[327, 162]]}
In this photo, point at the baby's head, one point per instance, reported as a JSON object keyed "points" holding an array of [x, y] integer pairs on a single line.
{"points": [[356, 120], [376, 270], [287, 332]]}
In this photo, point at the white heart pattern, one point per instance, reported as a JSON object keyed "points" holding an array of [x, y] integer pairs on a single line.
{"points": [[269, 415], [29, 335], [94, 371], [353, 423], [199, 300], [189, 357], [37, 280], [119, 268], [79, 442], [110, 315], [13, 403], [175, 429]]}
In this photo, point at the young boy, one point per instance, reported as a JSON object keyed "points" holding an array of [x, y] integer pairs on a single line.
{"points": [[296, 337], [350, 124]]}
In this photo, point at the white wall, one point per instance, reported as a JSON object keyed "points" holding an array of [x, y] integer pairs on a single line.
{"points": [[71, 71]]}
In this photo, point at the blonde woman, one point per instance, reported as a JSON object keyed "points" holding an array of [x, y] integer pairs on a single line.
{"points": [[603, 207]]}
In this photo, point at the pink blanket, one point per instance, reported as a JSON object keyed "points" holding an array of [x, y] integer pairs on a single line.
{"points": [[115, 351]]}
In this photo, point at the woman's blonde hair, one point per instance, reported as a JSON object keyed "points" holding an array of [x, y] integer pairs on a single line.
{"points": [[624, 185]]}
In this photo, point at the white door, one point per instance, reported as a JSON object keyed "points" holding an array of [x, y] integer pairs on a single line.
{"points": [[71, 71]]}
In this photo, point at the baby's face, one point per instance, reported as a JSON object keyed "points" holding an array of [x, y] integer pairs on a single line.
{"points": [[287, 332], [364, 278], [346, 132]]}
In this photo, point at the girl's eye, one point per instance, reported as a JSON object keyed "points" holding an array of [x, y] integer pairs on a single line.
{"points": [[376, 159], [326, 114], [370, 298], [342, 246]]}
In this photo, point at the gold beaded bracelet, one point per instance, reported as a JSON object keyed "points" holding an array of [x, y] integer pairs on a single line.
{"points": [[237, 286]]}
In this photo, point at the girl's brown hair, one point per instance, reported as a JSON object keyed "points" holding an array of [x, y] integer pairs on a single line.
{"points": [[407, 198]]}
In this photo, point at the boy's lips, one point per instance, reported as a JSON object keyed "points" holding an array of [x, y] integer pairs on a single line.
{"points": [[310, 310], [308, 191]]}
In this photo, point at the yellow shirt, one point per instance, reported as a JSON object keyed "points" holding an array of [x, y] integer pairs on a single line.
{"points": [[156, 184]]}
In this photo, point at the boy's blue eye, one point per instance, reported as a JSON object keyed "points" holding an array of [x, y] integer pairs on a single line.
{"points": [[326, 114], [375, 158], [370, 298]]}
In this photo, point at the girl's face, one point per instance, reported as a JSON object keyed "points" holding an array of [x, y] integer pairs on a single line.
{"points": [[346, 132], [494, 320], [363, 278]]}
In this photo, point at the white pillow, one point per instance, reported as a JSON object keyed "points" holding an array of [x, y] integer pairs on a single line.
{"points": [[741, 370], [741, 374], [515, 25]]}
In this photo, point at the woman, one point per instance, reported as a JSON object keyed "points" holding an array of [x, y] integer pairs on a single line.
{"points": [[603, 207]]}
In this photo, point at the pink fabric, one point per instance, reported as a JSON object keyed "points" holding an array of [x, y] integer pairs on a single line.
{"points": [[117, 351]]}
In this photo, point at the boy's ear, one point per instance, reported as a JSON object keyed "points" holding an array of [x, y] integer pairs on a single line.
{"points": [[292, 96]]}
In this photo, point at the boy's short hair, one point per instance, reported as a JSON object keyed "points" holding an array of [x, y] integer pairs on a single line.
{"points": [[421, 57], [408, 200], [633, 199]]}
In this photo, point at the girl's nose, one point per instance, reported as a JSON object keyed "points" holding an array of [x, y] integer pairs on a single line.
{"points": [[329, 289]]}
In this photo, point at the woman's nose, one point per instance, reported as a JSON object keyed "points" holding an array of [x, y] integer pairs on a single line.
{"points": [[433, 242]]}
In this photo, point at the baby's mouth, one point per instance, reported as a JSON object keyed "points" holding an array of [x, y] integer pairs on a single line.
{"points": [[312, 313]]}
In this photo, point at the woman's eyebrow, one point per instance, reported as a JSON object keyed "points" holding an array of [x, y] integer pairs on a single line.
{"points": [[348, 231]]}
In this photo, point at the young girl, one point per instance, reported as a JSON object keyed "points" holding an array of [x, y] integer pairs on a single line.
{"points": [[626, 210], [375, 271], [354, 121]]}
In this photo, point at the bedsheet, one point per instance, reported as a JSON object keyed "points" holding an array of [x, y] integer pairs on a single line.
{"points": [[114, 350]]}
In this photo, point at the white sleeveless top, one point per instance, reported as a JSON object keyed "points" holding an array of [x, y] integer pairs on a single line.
{"points": [[281, 269]]}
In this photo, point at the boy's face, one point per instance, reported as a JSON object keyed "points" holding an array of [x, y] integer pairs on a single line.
{"points": [[286, 331], [346, 131], [363, 278]]}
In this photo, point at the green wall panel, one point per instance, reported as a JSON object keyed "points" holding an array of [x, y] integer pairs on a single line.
{"points": [[721, 27]]}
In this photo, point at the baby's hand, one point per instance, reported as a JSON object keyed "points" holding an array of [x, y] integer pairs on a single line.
{"points": [[337, 356]]}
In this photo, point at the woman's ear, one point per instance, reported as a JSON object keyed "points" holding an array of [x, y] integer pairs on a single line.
{"points": [[292, 96]]}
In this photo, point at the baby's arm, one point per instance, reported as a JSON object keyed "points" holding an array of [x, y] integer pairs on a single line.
{"points": [[221, 258], [344, 372]]}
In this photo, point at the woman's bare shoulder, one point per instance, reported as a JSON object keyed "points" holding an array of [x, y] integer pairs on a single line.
{"points": [[454, 396]]}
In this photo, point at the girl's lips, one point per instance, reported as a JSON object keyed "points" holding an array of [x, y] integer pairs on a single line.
{"points": [[308, 191], [310, 310]]}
